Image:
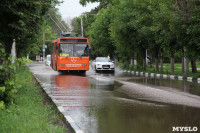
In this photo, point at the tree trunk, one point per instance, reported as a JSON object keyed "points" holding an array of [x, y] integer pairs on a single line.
{"points": [[144, 59], [161, 60], [151, 61], [132, 61], [135, 60], [126, 63], [156, 60], [193, 64], [172, 63], [186, 63], [116, 60], [183, 68]]}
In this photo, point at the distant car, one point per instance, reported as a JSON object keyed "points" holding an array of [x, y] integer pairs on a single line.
{"points": [[48, 60], [102, 64]]}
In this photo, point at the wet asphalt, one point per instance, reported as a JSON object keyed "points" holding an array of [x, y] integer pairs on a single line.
{"points": [[121, 102]]}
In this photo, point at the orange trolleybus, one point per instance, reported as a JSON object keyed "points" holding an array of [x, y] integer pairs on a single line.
{"points": [[70, 53]]}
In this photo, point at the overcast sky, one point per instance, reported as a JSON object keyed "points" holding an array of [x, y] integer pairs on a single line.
{"points": [[72, 8]]}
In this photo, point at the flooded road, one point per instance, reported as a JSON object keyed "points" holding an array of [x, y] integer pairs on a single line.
{"points": [[122, 103]]}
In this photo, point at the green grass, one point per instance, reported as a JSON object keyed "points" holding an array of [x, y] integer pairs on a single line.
{"points": [[29, 113]]}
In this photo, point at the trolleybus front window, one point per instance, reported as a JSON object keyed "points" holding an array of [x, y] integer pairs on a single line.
{"points": [[66, 50], [73, 50], [81, 50]]}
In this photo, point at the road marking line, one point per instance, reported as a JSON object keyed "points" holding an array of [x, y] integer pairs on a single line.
{"points": [[79, 131], [61, 109], [69, 119]]}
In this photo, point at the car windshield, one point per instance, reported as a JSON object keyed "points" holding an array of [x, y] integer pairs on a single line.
{"points": [[103, 60], [73, 50]]}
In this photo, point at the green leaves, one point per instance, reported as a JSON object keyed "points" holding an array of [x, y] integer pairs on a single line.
{"points": [[22, 21], [2, 105], [2, 89], [1, 67], [8, 87], [132, 26], [100, 39]]}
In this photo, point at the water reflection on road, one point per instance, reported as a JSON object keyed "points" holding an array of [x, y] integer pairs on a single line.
{"points": [[117, 112], [99, 104], [72, 93], [176, 85]]}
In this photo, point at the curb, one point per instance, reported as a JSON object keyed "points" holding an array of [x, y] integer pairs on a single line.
{"points": [[154, 75], [75, 128]]}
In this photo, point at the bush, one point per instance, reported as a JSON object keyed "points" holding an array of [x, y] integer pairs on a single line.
{"points": [[29, 113], [7, 77]]}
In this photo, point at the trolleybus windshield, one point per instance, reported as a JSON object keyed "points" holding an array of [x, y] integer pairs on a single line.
{"points": [[73, 50]]}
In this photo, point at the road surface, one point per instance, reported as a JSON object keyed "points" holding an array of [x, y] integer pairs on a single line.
{"points": [[120, 102]]}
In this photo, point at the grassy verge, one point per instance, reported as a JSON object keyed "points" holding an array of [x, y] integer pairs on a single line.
{"points": [[166, 70], [29, 113]]}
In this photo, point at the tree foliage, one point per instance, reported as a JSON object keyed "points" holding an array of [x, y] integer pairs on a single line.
{"points": [[21, 21], [164, 28], [102, 3], [100, 39]]}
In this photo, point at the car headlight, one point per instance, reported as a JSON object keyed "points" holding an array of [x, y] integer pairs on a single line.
{"points": [[112, 65], [98, 64]]}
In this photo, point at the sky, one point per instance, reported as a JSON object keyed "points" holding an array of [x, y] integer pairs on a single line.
{"points": [[72, 8]]}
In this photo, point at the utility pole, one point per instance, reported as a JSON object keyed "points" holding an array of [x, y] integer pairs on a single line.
{"points": [[81, 25], [82, 22]]}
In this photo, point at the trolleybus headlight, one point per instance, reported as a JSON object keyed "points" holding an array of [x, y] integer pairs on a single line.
{"points": [[84, 64], [62, 64]]}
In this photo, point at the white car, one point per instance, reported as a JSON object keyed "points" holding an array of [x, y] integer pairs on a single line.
{"points": [[102, 64], [48, 60]]}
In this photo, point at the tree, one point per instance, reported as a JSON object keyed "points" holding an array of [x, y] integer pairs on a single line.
{"points": [[100, 40], [87, 18], [131, 27], [103, 3], [188, 14], [21, 21]]}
